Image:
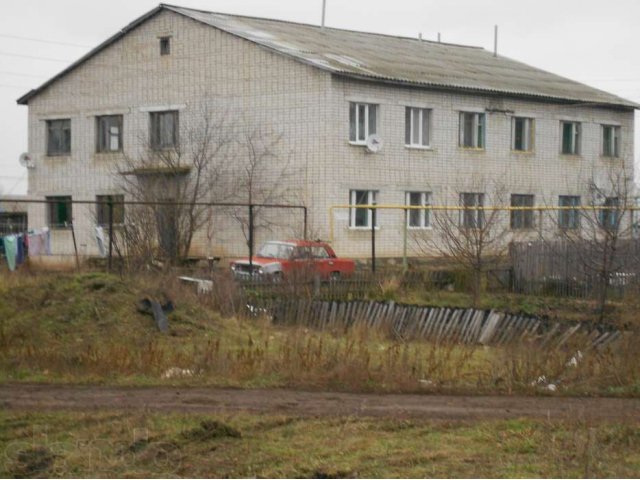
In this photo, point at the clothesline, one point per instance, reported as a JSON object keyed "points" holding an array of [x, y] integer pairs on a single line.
{"points": [[19, 246]]}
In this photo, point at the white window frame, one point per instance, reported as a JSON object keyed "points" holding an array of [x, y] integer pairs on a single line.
{"points": [[576, 137], [528, 134], [424, 218], [423, 116], [372, 197], [478, 138], [368, 130], [614, 140]]}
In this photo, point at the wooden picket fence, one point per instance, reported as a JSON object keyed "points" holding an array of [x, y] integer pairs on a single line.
{"points": [[459, 325]]}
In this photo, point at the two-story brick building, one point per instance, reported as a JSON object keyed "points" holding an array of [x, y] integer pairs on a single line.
{"points": [[452, 119]]}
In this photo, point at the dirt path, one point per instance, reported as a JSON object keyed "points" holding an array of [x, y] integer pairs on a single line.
{"points": [[289, 402]]}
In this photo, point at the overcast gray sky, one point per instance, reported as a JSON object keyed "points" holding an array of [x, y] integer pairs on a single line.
{"points": [[590, 41]]}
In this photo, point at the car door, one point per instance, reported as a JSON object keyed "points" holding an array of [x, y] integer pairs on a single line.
{"points": [[323, 262]]}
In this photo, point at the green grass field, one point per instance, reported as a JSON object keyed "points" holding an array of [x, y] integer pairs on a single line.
{"points": [[168, 445]]}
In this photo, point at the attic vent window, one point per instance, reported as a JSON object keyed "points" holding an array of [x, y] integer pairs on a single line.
{"points": [[165, 45]]}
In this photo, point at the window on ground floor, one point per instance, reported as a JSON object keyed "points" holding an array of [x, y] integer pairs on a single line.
{"points": [[418, 218], [59, 213], [362, 217], [522, 219], [102, 209], [569, 215]]}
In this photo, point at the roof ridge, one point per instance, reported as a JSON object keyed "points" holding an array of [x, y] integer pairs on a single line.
{"points": [[304, 24]]}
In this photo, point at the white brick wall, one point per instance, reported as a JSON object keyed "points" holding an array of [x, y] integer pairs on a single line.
{"points": [[310, 108]]}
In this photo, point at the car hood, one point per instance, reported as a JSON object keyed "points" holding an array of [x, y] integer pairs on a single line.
{"points": [[261, 261]]}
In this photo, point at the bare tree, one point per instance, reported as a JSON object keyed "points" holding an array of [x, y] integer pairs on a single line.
{"points": [[174, 176], [263, 175], [472, 235], [602, 241]]}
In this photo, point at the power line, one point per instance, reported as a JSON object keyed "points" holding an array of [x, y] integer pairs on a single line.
{"points": [[21, 74], [30, 39], [22, 87], [47, 59]]}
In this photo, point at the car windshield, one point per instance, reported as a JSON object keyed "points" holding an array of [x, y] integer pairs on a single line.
{"points": [[275, 250]]}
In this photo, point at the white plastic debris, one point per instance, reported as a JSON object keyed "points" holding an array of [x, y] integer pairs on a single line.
{"points": [[552, 387], [573, 362], [174, 372]]}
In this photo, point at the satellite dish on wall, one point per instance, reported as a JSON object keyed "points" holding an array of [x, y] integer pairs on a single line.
{"points": [[26, 160], [374, 143]]}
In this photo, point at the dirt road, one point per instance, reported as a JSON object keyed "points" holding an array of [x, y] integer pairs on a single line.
{"points": [[289, 402]]}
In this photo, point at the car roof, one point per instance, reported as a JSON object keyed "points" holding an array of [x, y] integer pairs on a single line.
{"points": [[300, 243]]}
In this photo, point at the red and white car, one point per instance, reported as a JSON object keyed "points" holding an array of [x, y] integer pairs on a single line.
{"points": [[290, 258]]}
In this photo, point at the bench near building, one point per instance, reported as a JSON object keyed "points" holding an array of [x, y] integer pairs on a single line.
{"points": [[359, 118]]}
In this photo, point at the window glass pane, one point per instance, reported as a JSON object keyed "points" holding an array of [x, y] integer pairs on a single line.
{"points": [[425, 127], [467, 130], [518, 133], [372, 119], [361, 122], [352, 122], [567, 137], [415, 126], [407, 126], [480, 138]]}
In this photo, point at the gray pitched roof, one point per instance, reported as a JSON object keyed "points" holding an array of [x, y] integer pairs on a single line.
{"points": [[385, 58]]}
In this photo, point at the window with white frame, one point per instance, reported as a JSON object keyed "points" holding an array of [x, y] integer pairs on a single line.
{"points": [[417, 127], [362, 217], [363, 121], [569, 214], [610, 141], [472, 216], [472, 130], [418, 218], [522, 134], [571, 133]]}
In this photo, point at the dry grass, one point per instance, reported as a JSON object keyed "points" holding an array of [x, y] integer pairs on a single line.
{"points": [[137, 444], [85, 328]]}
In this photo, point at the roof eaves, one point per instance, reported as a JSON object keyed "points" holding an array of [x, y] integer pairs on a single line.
{"points": [[490, 91], [24, 100]]}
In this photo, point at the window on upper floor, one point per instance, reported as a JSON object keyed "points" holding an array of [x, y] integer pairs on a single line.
{"points": [[165, 45], [58, 137], [59, 211], [571, 137], [610, 141], [102, 209], [362, 217], [472, 130], [417, 127], [473, 215], [522, 134], [363, 121], [109, 133], [418, 218], [569, 214], [521, 219], [164, 130]]}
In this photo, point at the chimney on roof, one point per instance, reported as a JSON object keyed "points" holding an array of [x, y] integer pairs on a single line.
{"points": [[495, 40], [420, 36], [324, 10], [438, 37]]}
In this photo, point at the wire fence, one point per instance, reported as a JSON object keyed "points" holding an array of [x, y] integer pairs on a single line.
{"points": [[564, 251]]}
